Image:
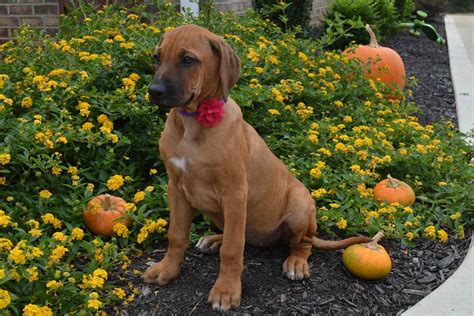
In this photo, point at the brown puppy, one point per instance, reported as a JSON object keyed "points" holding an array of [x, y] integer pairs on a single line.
{"points": [[225, 171]]}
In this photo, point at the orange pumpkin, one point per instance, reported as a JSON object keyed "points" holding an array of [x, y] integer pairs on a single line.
{"points": [[385, 63], [103, 212], [368, 261], [392, 190]]}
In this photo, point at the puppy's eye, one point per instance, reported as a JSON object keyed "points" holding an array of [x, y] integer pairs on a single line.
{"points": [[188, 61]]}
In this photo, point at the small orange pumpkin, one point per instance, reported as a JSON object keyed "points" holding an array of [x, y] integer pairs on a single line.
{"points": [[103, 212], [392, 190], [368, 261], [385, 63]]}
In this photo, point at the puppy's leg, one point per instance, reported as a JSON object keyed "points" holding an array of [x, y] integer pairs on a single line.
{"points": [[302, 226], [227, 290], [210, 244], [181, 214]]}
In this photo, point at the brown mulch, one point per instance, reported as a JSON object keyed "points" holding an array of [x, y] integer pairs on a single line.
{"points": [[330, 290]]}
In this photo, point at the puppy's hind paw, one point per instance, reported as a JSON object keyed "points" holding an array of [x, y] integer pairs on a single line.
{"points": [[295, 268], [209, 244]]}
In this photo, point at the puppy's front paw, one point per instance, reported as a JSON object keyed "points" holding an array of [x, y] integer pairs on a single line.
{"points": [[162, 273], [225, 295], [296, 268]]}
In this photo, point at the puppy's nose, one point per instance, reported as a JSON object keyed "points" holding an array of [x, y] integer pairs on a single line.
{"points": [[157, 89]]}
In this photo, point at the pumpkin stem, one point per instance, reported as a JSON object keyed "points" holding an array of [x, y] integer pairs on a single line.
{"points": [[392, 182], [373, 39], [373, 243], [107, 203]]}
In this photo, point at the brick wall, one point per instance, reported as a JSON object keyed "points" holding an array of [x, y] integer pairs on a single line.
{"points": [[36, 13], [238, 6], [317, 13]]}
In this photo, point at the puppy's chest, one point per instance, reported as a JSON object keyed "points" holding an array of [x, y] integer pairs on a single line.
{"points": [[194, 178]]}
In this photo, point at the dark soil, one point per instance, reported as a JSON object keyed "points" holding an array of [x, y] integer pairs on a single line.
{"points": [[428, 62], [330, 290]]}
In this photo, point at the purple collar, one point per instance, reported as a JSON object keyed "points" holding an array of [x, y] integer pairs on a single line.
{"points": [[183, 112]]}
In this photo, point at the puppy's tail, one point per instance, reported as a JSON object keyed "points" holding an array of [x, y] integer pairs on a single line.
{"points": [[338, 244]]}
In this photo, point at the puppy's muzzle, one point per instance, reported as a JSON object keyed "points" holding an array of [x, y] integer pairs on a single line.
{"points": [[157, 89]]}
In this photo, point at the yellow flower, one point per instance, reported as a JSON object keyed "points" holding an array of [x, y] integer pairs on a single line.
{"points": [[430, 231], [83, 108], [59, 236], [273, 112], [57, 254], [36, 252], [90, 187], [409, 235], [342, 223], [45, 194], [87, 126], [313, 138], [442, 235], [119, 292], [4, 219], [115, 182], [56, 170], [338, 104], [4, 298], [119, 38], [100, 273], [408, 210], [35, 232], [17, 255], [347, 119], [139, 196], [127, 45], [26, 102], [130, 207], [35, 310], [121, 230], [4, 159], [5, 244], [150, 188], [94, 304], [371, 214], [53, 284], [49, 218], [455, 216], [318, 193], [259, 70], [77, 234]]}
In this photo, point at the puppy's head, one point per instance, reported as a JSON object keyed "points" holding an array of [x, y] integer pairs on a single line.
{"points": [[192, 64]]}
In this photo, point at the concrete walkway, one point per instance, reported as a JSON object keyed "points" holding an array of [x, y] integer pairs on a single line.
{"points": [[460, 37], [456, 295]]}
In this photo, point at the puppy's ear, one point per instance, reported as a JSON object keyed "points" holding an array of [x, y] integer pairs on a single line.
{"points": [[229, 65]]}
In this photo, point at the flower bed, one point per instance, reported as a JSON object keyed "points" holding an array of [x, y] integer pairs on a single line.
{"points": [[75, 122]]}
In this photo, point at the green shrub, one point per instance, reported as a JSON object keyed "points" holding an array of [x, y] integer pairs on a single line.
{"points": [[75, 122], [380, 14], [404, 9], [292, 13]]}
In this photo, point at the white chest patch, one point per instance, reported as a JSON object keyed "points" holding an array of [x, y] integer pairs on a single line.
{"points": [[179, 162]]}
